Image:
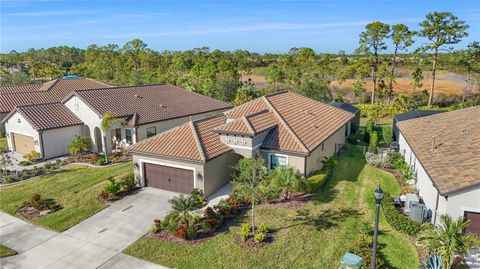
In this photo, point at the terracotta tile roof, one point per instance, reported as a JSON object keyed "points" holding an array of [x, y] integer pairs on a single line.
{"points": [[249, 125], [200, 140], [193, 141], [47, 116], [21, 88], [49, 92], [151, 103], [447, 146], [303, 123]]}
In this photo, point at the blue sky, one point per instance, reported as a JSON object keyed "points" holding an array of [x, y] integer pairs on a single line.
{"points": [[260, 26]]}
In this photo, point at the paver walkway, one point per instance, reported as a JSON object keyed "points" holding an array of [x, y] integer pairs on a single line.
{"points": [[96, 242]]}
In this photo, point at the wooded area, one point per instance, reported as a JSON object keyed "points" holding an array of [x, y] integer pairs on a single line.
{"points": [[226, 75]]}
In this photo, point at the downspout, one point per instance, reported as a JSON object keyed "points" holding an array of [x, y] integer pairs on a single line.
{"points": [[436, 209], [135, 129], [40, 138]]}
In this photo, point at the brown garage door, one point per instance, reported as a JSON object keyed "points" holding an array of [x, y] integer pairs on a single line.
{"points": [[22, 143], [168, 178], [474, 225]]}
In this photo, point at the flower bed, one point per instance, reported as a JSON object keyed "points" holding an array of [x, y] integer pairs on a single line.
{"points": [[116, 190], [99, 159], [16, 176], [38, 207]]}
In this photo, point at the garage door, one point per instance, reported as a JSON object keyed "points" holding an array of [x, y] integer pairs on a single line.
{"points": [[474, 225], [23, 144], [168, 178]]}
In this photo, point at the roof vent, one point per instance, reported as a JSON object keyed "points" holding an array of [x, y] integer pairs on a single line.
{"points": [[163, 106], [137, 96]]}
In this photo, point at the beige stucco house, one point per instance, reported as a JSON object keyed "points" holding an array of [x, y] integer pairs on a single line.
{"points": [[286, 129], [143, 111], [443, 150]]}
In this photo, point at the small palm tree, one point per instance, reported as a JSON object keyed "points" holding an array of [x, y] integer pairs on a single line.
{"points": [[285, 179], [183, 205], [107, 120], [449, 240]]}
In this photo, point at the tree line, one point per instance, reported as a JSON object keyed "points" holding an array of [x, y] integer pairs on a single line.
{"points": [[224, 74]]}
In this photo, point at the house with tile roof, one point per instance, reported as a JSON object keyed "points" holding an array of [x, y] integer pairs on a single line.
{"points": [[143, 111], [40, 93], [443, 150], [284, 128]]}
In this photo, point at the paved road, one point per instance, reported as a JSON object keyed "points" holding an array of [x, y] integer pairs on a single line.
{"points": [[96, 242]]}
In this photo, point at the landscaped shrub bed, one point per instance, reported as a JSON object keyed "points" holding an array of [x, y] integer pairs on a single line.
{"points": [[399, 221], [38, 207], [115, 190], [24, 174], [99, 159]]}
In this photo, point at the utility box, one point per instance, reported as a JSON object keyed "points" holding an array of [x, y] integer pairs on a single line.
{"points": [[410, 198], [418, 212], [350, 261]]}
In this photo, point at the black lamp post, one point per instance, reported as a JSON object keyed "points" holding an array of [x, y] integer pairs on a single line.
{"points": [[378, 199]]}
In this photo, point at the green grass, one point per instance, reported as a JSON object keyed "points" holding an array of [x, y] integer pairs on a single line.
{"points": [[315, 236], [76, 188], [5, 252]]}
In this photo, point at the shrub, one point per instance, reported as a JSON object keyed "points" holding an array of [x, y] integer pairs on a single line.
{"points": [[399, 221], [170, 221], [206, 226], [374, 159], [79, 144], [9, 179], [32, 156], [373, 140], [181, 232], [157, 223], [129, 182], [351, 140], [47, 166], [112, 187], [198, 197], [393, 159], [59, 162], [209, 212], [245, 231], [42, 204], [100, 161], [154, 229], [192, 232], [387, 134], [3, 135], [260, 237], [24, 163], [313, 182], [263, 228], [362, 246], [408, 189], [213, 222]]}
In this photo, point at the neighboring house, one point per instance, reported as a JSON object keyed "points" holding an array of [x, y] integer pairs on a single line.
{"points": [[444, 152], [284, 128], [48, 92], [413, 114], [355, 125], [44, 128], [143, 111]]}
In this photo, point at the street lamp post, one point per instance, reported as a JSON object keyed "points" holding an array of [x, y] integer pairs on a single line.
{"points": [[378, 199]]}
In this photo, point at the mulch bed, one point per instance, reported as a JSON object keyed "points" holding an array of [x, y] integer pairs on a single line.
{"points": [[104, 198], [250, 242], [203, 236], [31, 213], [294, 203]]}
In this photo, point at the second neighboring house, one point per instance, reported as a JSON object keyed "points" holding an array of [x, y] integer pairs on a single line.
{"points": [[142, 112], [443, 150], [355, 126], [42, 93], [413, 114], [284, 128]]}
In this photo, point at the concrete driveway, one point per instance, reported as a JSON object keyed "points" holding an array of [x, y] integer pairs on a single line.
{"points": [[96, 242]]}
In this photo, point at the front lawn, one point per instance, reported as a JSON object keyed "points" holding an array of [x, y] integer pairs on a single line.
{"points": [[5, 252], [76, 188], [314, 236]]}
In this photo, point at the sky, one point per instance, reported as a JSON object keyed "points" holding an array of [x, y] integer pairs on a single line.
{"points": [[258, 26]]}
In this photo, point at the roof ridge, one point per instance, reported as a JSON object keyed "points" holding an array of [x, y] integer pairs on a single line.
{"points": [[55, 81], [276, 93], [121, 87], [284, 123], [94, 80], [248, 124], [197, 141], [40, 104]]}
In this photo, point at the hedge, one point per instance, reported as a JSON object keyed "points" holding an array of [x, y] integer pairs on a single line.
{"points": [[314, 182], [399, 221]]}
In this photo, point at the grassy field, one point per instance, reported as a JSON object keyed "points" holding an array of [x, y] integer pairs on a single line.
{"points": [[76, 188], [5, 252], [314, 236]]}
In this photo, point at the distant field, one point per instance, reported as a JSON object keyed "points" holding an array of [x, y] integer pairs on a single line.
{"points": [[448, 83]]}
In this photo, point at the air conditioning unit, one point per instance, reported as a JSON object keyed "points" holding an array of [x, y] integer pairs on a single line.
{"points": [[418, 212], [409, 199]]}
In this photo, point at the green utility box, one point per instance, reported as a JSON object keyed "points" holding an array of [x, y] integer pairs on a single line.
{"points": [[350, 261]]}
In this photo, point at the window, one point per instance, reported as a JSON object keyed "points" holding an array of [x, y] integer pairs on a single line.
{"points": [[128, 135], [277, 160], [118, 134], [151, 131]]}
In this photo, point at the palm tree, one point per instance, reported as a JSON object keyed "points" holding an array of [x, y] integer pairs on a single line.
{"points": [[449, 240], [183, 205], [285, 179], [106, 124]]}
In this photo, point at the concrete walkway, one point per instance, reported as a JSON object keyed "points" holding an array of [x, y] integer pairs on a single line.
{"points": [[96, 242]]}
